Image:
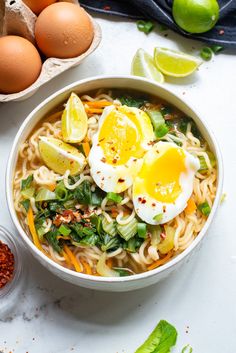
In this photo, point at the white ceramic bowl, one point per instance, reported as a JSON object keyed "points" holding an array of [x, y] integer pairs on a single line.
{"points": [[126, 82]]}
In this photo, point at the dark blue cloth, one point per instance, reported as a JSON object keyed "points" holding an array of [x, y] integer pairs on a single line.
{"points": [[224, 33]]}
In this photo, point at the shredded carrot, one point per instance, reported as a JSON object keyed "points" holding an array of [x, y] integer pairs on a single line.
{"points": [[72, 258], [69, 263], [86, 148], [191, 206], [86, 267], [94, 110], [160, 261], [30, 219], [52, 187], [98, 104], [109, 263]]}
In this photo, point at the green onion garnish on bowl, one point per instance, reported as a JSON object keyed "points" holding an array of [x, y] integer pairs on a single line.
{"points": [[112, 196], [204, 208]]}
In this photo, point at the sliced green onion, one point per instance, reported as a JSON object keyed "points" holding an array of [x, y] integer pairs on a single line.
{"points": [[142, 230], [216, 48], [206, 53], [158, 217], [161, 131], [61, 192], [45, 195], [64, 230], [123, 271], [156, 118], [203, 165], [187, 349], [204, 208], [158, 122], [127, 231], [112, 196], [145, 26]]}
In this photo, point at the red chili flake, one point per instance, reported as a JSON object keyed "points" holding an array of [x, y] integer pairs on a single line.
{"points": [[221, 32], [103, 160], [121, 180], [164, 208], [98, 172], [102, 139], [107, 8], [114, 161], [143, 201], [113, 148], [103, 178], [6, 264], [163, 235], [153, 204]]}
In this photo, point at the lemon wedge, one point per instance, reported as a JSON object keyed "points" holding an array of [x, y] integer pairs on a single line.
{"points": [[143, 65], [60, 157], [175, 63], [74, 120]]}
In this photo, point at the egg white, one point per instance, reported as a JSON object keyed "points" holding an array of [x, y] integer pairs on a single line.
{"points": [[148, 207], [114, 178]]}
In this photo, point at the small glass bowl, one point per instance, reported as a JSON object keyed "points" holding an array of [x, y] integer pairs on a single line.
{"points": [[13, 286]]}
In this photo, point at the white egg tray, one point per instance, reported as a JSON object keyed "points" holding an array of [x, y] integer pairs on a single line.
{"points": [[16, 18]]}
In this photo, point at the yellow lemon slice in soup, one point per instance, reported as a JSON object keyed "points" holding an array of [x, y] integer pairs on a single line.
{"points": [[175, 63], [60, 156], [74, 120]]}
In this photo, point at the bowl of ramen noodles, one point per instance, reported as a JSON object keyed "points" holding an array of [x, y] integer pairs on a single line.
{"points": [[112, 182]]}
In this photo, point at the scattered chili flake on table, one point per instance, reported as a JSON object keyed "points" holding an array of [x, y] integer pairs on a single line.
{"points": [[6, 264]]}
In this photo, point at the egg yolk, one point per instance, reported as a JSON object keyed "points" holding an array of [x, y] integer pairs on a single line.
{"points": [[160, 179], [120, 137]]}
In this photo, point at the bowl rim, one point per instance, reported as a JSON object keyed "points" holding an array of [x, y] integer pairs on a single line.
{"points": [[174, 261]]}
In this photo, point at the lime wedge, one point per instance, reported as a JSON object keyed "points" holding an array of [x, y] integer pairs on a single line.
{"points": [[143, 65], [74, 120], [175, 63], [60, 157]]}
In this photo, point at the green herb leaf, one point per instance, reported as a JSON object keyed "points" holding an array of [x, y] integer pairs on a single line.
{"points": [[206, 53], [132, 244], [110, 243], [61, 192], [97, 197], [204, 208], [97, 222], [145, 26], [26, 183], [132, 102], [90, 239], [123, 272], [161, 340]]}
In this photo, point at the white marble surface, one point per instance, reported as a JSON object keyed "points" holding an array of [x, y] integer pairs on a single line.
{"points": [[52, 316]]}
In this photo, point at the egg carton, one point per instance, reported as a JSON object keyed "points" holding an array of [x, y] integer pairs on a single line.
{"points": [[16, 18]]}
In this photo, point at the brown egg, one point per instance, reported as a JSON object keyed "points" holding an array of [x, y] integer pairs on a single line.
{"points": [[37, 6], [20, 64], [63, 30]]}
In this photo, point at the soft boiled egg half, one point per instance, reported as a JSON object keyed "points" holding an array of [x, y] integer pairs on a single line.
{"points": [[165, 183], [124, 135]]}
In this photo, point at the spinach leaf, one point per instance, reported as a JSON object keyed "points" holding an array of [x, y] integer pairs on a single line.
{"points": [[132, 102], [110, 242], [132, 244], [26, 183], [52, 239], [26, 204], [83, 193], [97, 197], [90, 240], [97, 222], [161, 340]]}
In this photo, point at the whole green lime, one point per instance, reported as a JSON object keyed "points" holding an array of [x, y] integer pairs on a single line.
{"points": [[195, 16]]}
